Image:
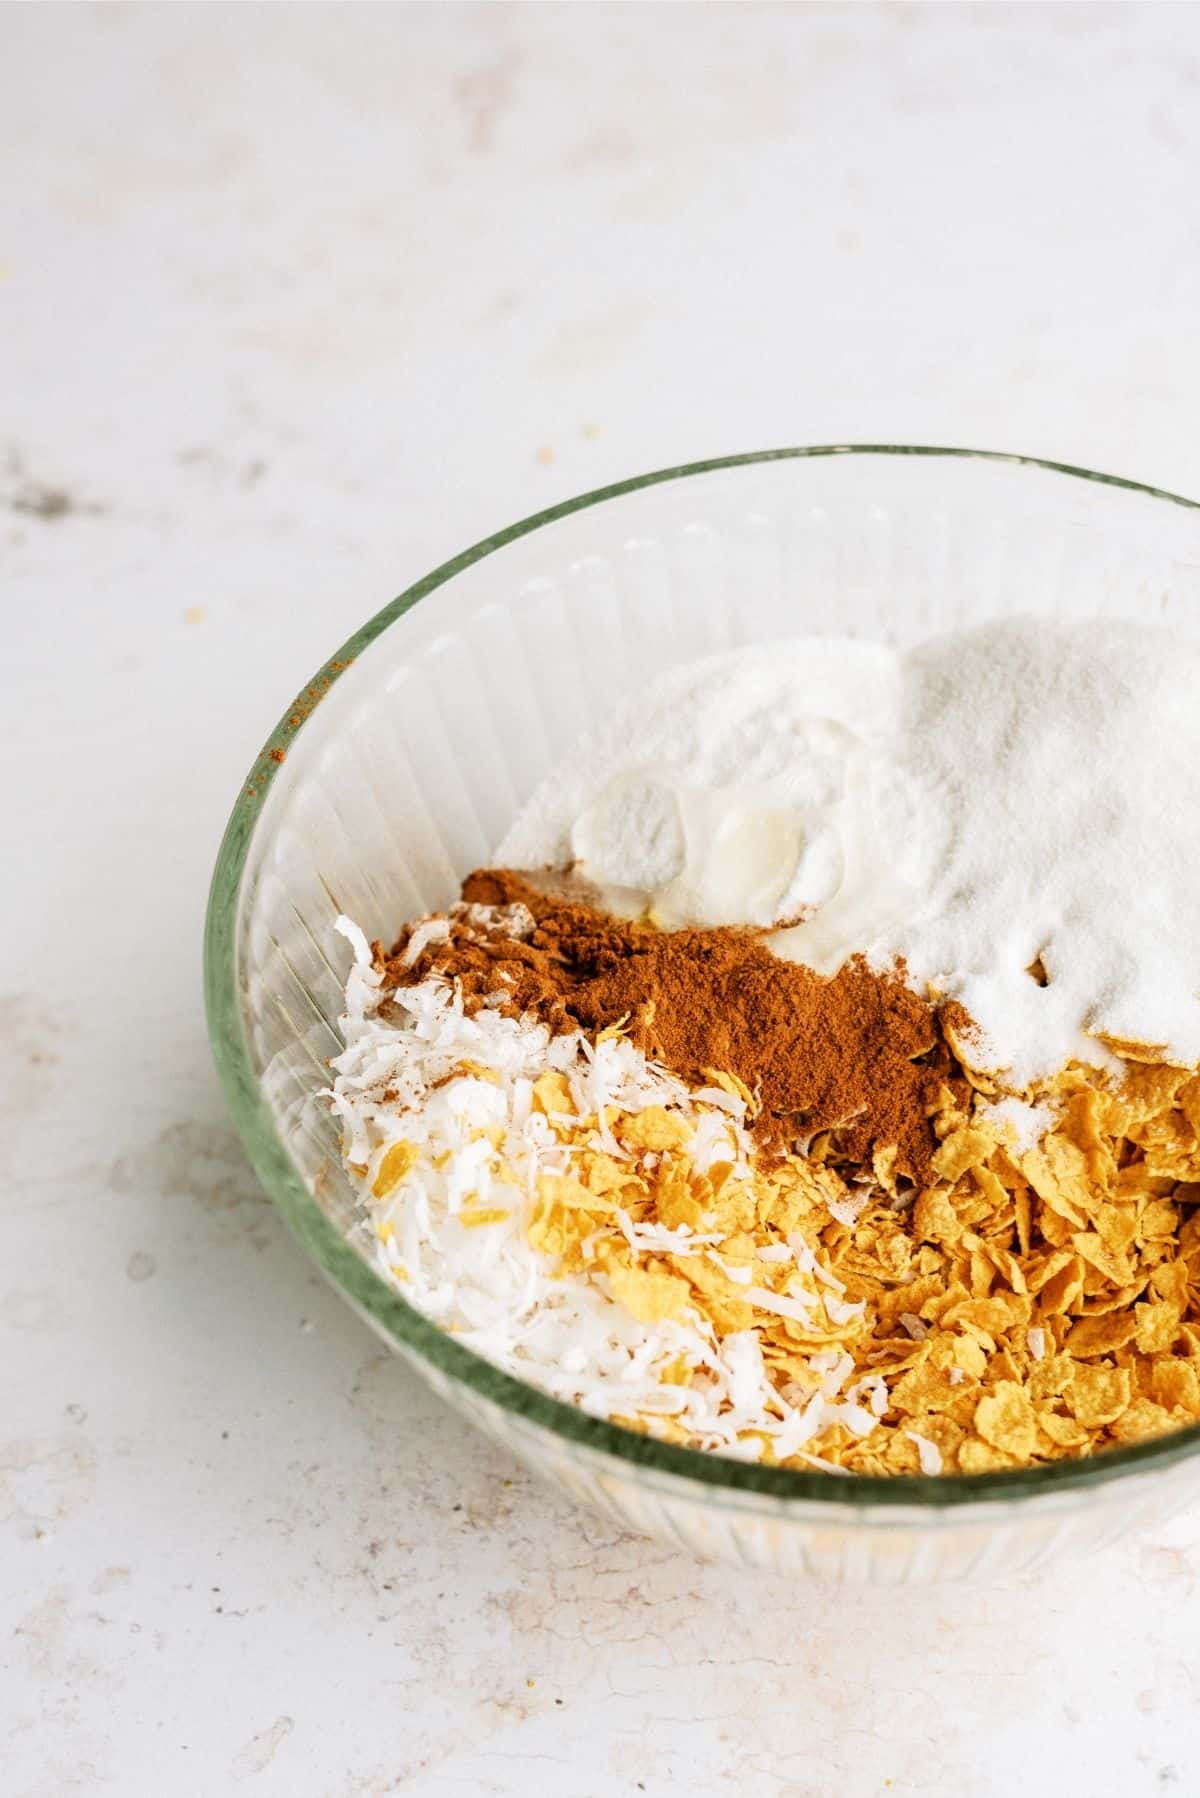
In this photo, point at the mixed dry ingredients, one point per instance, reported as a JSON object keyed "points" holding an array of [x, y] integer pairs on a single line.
{"points": [[814, 1077]]}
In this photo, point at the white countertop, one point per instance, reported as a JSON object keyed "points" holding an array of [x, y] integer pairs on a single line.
{"points": [[294, 303]]}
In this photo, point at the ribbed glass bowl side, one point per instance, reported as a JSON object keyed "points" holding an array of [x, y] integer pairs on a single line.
{"points": [[401, 765]]}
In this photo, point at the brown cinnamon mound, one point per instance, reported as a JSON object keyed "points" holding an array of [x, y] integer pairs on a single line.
{"points": [[858, 1055]]}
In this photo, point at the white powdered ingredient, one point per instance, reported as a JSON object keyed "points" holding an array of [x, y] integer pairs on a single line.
{"points": [[1014, 809]]}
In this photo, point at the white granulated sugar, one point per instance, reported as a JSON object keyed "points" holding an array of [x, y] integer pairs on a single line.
{"points": [[1060, 763], [1024, 1124], [452, 1235], [1018, 796]]}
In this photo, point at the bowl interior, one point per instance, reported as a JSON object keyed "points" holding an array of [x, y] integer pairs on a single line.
{"points": [[402, 765]]}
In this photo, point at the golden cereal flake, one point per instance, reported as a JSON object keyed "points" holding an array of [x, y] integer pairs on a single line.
{"points": [[650, 1296], [1019, 1308], [398, 1161]]}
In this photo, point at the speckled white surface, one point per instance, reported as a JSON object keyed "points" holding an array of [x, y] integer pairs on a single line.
{"points": [[296, 302]]}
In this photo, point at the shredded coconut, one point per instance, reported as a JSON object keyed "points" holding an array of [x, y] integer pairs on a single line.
{"points": [[432, 930], [443, 1141], [848, 1210], [928, 1453]]}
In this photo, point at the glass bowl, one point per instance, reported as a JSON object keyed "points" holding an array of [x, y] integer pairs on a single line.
{"points": [[401, 764]]}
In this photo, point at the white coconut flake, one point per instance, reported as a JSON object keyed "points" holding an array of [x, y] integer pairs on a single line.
{"points": [[873, 1388], [430, 930], [799, 1310], [724, 1101], [741, 1276], [821, 1466], [1035, 1342], [928, 1453], [776, 1252], [682, 1240], [857, 1419], [452, 1234], [807, 1262], [849, 1209]]}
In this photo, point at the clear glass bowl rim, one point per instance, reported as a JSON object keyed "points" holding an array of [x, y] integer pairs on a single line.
{"points": [[366, 1289]]}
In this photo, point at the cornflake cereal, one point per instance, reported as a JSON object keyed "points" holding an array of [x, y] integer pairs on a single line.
{"points": [[595, 1224]]}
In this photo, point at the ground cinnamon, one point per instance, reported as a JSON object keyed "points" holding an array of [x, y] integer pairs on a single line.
{"points": [[858, 1055]]}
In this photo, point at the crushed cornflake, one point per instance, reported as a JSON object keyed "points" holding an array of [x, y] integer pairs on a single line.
{"points": [[580, 1217]]}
